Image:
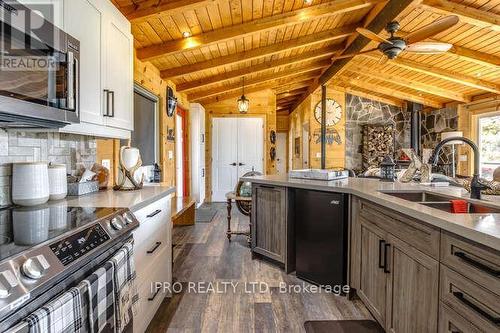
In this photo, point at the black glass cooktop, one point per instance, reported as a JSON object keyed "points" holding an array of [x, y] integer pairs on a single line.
{"points": [[24, 227]]}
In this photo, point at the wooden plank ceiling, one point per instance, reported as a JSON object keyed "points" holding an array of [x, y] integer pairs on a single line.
{"points": [[207, 46]]}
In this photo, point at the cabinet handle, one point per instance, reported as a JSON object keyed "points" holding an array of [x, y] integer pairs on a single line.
{"points": [[106, 104], [154, 295], [460, 296], [156, 212], [241, 164], [381, 244], [112, 93], [477, 264], [233, 164], [157, 245], [386, 251], [267, 186]]}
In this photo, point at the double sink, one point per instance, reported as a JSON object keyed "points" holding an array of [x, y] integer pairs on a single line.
{"points": [[442, 202]]}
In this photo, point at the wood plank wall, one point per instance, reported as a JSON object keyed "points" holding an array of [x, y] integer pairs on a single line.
{"points": [[262, 103], [304, 116], [148, 76]]}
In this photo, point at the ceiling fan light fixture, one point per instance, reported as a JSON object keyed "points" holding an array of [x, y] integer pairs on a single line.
{"points": [[308, 2], [186, 34]]}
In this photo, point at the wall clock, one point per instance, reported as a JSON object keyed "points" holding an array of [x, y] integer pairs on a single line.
{"points": [[333, 112]]}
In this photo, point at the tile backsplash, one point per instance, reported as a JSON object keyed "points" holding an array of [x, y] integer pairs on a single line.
{"points": [[72, 150]]}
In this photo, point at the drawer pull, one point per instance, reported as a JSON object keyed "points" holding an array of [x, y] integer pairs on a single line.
{"points": [[381, 244], [157, 245], [156, 212], [460, 296], [386, 252], [152, 298], [477, 264]]}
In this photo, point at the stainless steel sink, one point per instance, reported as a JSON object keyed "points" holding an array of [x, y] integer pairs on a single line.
{"points": [[442, 202], [419, 196], [473, 208]]}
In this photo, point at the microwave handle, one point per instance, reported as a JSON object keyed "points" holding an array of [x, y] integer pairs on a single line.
{"points": [[72, 72]]}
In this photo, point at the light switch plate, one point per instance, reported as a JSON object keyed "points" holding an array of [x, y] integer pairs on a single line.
{"points": [[318, 155], [170, 155], [106, 164], [462, 158]]}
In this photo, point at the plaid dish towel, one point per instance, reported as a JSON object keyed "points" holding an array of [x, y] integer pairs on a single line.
{"points": [[126, 289], [65, 314], [101, 300]]}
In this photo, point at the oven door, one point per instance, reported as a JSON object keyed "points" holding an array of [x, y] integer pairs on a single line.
{"points": [[38, 71]]}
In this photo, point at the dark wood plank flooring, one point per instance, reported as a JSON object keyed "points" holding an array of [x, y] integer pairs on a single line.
{"points": [[203, 254]]}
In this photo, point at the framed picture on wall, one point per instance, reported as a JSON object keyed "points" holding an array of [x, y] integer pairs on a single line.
{"points": [[297, 146]]}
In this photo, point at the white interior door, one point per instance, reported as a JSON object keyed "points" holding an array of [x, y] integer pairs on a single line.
{"points": [[179, 158], [281, 153], [237, 147], [224, 157]]}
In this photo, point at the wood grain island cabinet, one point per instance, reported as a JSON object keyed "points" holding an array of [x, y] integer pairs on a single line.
{"points": [[414, 277]]}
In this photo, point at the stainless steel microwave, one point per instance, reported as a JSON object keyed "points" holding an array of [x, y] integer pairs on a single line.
{"points": [[39, 71]]}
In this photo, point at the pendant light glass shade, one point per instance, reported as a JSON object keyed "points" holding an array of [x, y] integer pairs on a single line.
{"points": [[243, 102]]}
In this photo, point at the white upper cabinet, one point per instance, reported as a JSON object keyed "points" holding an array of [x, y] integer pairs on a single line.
{"points": [[118, 72], [87, 28], [106, 68]]}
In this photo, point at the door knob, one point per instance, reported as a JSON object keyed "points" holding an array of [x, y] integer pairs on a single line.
{"points": [[233, 164], [240, 164]]}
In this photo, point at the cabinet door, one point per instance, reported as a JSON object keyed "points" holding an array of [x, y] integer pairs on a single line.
{"points": [[413, 289], [84, 22], [373, 280], [269, 221], [119, 76]]}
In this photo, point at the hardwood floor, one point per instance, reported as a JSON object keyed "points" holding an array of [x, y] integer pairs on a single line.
{"points": [[203, 254]]}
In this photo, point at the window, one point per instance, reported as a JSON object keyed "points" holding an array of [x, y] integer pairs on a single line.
{"points": [[489, 144]]}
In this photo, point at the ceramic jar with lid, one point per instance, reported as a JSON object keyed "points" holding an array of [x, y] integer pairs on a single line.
{"points": [[30, 183]]}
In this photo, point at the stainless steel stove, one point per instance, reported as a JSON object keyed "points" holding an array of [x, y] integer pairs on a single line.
{"points": [[46, 249]]}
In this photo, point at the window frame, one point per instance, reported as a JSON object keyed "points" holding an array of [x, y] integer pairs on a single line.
{"points": [[478, 133]]}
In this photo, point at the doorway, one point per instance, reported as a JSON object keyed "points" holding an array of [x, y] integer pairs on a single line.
{"points": [[281, 153], [237, 148], [181, 155]]}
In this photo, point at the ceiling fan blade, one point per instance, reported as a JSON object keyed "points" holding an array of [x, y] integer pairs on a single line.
{"points": [[431, 29], [371, 35], [350, 55], [428, 47]]}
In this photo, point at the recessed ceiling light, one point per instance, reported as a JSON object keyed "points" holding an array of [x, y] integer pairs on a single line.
{"points": [[186, 34], [308, 2], [478, 74]]}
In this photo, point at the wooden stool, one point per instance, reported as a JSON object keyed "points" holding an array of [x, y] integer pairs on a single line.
{"points": [[231, 196]]}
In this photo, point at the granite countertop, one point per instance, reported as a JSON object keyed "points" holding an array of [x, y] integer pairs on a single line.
{"points": [[134, 200], [481, 228]]}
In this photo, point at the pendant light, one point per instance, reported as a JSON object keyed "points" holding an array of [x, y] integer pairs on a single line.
{"points": [[243, 102]]}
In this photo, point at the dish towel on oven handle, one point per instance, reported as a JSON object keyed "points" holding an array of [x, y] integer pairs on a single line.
{"points": [[126, 290], [64, 314]]}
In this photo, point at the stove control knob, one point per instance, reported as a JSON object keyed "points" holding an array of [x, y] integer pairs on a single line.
{"points": [[116, 223], [35, 267], [128, 217], [7, 282]]}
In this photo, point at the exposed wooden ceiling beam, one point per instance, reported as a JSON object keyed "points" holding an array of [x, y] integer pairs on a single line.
{"points": [[392, 92], [236, 91], [293, 86], [366, 94], [378, 73], [467, 14], [286, 100], [307, 56], [260, 52], [389, 13], [258, 80], [442, 74], [294, 92], [154, 8], [260, 25]]}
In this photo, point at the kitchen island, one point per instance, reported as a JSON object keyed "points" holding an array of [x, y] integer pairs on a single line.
{"points": [[414, 266]]}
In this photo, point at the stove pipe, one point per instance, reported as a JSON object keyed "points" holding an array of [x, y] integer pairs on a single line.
{"points": [[415, 110]]}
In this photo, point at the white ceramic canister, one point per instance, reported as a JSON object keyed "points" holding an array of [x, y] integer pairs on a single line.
{"points": [[58, 183], [30, 183], [31, 225]]}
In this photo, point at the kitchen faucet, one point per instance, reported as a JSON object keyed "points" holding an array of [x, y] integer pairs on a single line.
{"points": [[475, 185]]}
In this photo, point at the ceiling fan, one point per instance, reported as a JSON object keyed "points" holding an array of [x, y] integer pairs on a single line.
{"points": [[391, 47]]}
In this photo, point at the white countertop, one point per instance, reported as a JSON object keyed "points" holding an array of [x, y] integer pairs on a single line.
{"points": [[134, 200], [481, 228]]}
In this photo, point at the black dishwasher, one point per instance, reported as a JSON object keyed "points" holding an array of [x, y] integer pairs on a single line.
{"points": [[321, 237]]}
